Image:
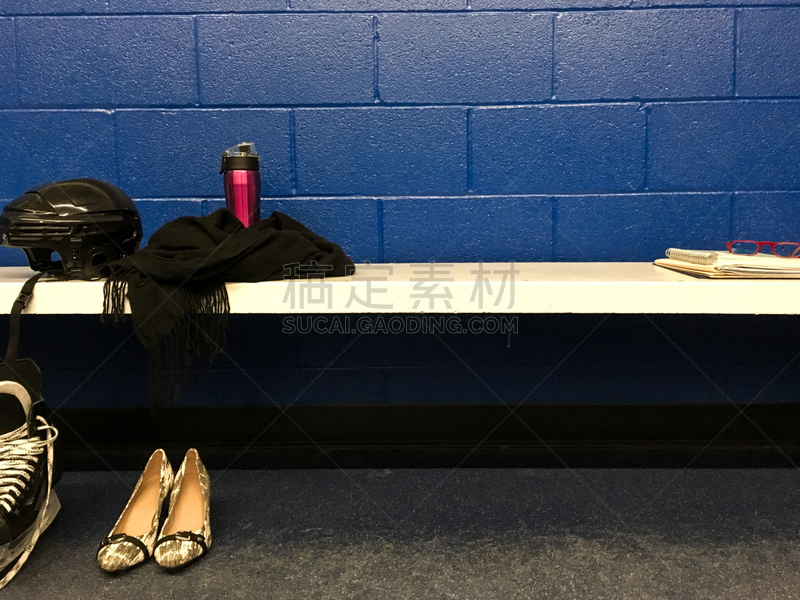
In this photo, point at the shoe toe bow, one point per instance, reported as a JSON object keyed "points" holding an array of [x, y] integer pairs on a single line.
{"points": [[179, 549], [119, 555]]}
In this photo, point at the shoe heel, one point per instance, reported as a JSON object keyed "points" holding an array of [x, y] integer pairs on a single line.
{"points": [[131, 541]]}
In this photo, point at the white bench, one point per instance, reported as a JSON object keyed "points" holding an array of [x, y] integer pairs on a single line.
{"points": [[632, 288]]}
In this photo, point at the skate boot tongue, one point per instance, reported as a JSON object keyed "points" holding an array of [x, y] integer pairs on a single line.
{"points": [[15, 406]]}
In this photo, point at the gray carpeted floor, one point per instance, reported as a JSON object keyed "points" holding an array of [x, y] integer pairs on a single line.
{"points": [[438, 534]]}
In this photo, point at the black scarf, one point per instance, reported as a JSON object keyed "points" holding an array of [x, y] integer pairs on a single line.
{"points": [[176, 285]]}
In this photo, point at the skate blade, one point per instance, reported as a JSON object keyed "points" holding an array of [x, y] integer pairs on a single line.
{"points": [[11, 551]]}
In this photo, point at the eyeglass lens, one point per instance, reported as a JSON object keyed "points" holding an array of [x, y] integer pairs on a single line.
{"points": [[784, 249]]}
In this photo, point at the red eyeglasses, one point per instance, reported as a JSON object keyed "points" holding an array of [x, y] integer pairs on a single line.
{"points": [[749, 247]]}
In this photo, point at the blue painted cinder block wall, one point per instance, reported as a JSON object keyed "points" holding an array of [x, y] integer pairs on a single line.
{"points": [[427, 129], [417, 130]]}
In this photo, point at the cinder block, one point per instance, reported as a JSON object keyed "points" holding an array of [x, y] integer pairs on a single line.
{"points": [[579, 383], [9, 90], [436, 386], [256, 341], [468, 229], [196, 6], [644, 54], [639, 227], [286, 59], [393, 5], [558, 149], [89, 388], [156, 213], [719, 2], [620, 341], [381, 151], [266, 387], [554, 4], [47, 145], [448, 58], [383, 349], [68, 61], [621, 4], [50, 340], [53, 7], [177, 152], [737, 145], [769, 52], [396, 5], [764, 383], [769, 216]]}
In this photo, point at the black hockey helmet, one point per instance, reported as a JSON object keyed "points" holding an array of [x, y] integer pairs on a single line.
{"points": [[88, 222]]}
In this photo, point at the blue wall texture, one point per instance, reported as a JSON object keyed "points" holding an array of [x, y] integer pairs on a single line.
{"points": [[531, 130], [417, 130]]}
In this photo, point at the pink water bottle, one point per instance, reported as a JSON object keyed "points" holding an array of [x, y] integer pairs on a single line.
{"points": [[242, 182]]}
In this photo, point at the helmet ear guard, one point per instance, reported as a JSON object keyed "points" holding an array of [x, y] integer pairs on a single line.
{"points": [[96, 258], [41, 259]]}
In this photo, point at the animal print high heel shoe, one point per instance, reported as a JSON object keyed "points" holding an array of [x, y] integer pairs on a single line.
{"points": [[186, 535], [132, 540]]}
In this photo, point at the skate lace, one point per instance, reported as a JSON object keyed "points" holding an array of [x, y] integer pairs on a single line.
{"points": [[19, 457]]}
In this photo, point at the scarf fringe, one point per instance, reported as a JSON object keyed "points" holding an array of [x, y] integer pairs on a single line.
{"points": [[114, 292], [199, 335]]}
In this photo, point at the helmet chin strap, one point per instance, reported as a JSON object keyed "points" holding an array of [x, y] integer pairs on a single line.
{"points": [[19, 305], [23, 371]]}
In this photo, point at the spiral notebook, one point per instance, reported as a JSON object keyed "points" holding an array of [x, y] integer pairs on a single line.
{"points": [[721, 264]]}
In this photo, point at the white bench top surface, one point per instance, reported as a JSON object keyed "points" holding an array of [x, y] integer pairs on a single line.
{"points": [[461, 288]]}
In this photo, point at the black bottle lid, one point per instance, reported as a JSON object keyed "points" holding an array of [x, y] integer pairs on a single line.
{"points": [[241, 156]]}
